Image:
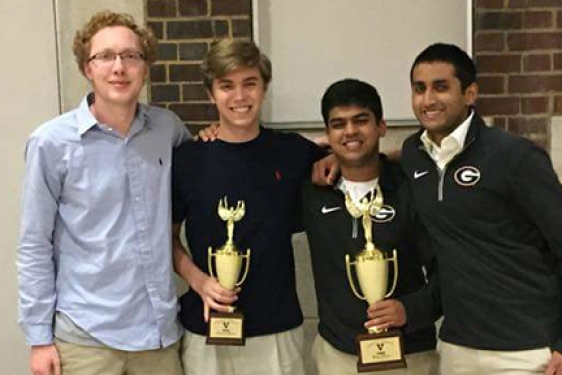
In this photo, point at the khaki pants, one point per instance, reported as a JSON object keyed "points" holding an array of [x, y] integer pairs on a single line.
{"points": [[457, 360], [277, 354], [331, 361], [94, 360]]}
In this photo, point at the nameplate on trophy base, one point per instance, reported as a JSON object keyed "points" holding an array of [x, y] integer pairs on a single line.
{"points": [[226, 329], [380, 351]]}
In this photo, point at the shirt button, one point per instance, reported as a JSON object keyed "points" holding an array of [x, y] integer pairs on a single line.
{"points": [[137, 199]]}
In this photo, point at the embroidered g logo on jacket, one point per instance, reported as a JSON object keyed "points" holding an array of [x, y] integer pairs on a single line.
{"points": [[385, 214], [467, 176]]}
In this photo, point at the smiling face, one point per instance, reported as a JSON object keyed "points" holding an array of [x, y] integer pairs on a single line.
{"points": [[438, 100], [353, 134], [117, 83], [239, 96]]}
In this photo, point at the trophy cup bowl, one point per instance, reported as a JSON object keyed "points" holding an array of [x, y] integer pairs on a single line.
{"points": [[228, 265], [371, 268]]}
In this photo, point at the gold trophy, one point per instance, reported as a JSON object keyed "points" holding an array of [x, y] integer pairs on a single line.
{"points": [[378, 349], [228, 328]]}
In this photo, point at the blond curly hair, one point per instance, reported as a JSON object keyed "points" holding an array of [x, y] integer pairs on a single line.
{"points": [[101, 20]]}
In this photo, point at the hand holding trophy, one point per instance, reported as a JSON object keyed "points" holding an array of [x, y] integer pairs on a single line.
{"points": [[378, 349], [228, 328]]}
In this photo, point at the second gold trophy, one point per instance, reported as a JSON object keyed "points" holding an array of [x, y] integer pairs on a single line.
{"points": [[379, 349]]}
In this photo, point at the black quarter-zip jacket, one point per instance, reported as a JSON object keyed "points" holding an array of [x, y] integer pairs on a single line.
{"points": [[494, 215], [332, 233]]}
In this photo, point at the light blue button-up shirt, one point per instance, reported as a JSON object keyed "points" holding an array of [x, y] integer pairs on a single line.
{"points": [[96, 230]]}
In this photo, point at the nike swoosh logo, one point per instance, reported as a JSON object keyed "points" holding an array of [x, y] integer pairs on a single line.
{"points": [[419, 174], [326, 210]]}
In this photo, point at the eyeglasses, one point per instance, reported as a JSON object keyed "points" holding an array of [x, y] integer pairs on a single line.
{"points": [[107, 58]]}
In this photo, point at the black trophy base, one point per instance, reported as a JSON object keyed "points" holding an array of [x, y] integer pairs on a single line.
{"points": [[226, 329], [380, 351]]}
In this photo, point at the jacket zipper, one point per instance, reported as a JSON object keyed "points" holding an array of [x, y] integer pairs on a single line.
{"points": [[441, 181]]}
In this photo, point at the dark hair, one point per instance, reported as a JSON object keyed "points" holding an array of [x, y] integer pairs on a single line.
{"points": [[351, 92], [465, 69]]}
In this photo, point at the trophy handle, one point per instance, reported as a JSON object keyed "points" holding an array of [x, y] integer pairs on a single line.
{"points": [[210, 261], [348, 265], [394, 260], [246, 268]]}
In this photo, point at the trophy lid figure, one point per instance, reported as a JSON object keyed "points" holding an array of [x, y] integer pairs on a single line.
{"points": [[231, 215]]}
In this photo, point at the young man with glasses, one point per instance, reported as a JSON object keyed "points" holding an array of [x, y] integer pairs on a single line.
{"points": [[96, 285]]}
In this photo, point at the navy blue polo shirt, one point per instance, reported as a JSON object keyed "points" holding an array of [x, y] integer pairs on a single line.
{"points": [[266, 173]]}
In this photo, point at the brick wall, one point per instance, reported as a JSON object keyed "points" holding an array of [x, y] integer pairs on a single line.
{"points": [[517, 45], [518, 50], [185, 28]]}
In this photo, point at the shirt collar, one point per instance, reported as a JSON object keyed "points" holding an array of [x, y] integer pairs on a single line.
{"points": [[458, 135], [87, 121]]}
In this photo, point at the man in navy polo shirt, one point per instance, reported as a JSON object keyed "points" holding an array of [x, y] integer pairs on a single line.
{"points": [[265, 169]]}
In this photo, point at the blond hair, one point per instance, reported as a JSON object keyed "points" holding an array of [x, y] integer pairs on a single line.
{"points": [[82, 39], [227, 55]]}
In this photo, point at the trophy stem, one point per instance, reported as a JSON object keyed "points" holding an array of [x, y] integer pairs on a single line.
{"points": [[230, 232]]}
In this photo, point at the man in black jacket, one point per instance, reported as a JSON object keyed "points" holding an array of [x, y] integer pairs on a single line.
{"points": [[492, 204], [354, 121]]}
